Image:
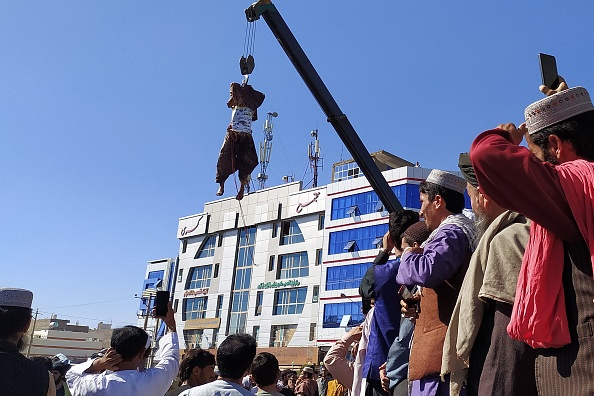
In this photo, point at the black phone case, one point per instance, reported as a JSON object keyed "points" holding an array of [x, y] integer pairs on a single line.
{"points": [[161, 303]]}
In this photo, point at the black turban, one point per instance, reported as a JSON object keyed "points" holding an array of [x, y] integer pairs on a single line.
{"points": [[467, 170]]}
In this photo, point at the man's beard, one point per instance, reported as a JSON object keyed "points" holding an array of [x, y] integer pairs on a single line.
{"points": [[23, 343], [481, 223], [550, 158]]}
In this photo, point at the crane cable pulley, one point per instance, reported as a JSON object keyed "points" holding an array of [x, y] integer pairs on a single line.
{"points": [[246, 62]]}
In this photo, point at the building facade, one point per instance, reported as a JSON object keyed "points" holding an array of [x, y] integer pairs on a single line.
{"points": [[253, 266], [52, 336], [159, 276]]}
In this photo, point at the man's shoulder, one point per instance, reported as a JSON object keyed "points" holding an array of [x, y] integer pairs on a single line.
{"points": [[265, 393], [519, 229], [220, 388], [177, 391]]}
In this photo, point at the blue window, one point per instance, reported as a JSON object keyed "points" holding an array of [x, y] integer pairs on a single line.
{"points": [[368, 202], [146, 305], [156, 274], [345, 276], [467, 204], [408, 195], [354, 205], [334, 312], [363, 238], [347, 171], [207, 248], [289, 301], [243, 278], [238, 314], [290, 233], [194, 308], [199, 277], [241, 283], [293, 265]]}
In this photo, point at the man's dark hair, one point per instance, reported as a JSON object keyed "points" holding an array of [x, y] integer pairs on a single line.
{"points": [[129, 341], [399, 222], [454, 200], [287, 372], [196, 357], [13, 320], [264, 369], [43, 360], [577, 130], [235, 355]]}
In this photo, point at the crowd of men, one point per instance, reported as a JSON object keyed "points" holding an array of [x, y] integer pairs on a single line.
{"points": [[498, 303]]}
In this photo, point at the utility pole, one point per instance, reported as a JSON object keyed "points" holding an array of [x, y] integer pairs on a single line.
{"points": [[32, 332], [146, 312]]}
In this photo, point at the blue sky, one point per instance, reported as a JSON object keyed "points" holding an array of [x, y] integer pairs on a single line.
{"points": [[112, 114]]}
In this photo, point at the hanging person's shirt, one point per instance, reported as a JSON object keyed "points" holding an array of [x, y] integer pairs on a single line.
{"points": [[241, 119]]}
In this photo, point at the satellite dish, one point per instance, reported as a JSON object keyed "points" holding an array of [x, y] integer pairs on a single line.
{"points": [[53, 325]]}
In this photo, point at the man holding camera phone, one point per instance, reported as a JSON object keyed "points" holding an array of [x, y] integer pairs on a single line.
{"points": [[121, 370], [552, 183]]}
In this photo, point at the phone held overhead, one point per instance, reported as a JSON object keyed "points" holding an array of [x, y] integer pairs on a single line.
{"points": [[548, 71]]}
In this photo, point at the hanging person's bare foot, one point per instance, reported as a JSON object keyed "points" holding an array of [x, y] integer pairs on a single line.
{"points": [[221, 189], [239, 195]]}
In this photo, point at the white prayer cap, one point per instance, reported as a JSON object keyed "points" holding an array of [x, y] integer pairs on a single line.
{"points": [[556, 108], [13, 297], [447, 180]]}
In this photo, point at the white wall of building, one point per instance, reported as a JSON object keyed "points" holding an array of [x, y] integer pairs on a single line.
{"points": [[262, 209]]}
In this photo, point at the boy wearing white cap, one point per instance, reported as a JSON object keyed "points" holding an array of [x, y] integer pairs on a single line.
{"points": [[551, 183], [19, 375]]}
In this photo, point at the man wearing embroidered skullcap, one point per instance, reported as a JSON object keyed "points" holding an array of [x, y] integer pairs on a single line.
{"points": [[306, 384], [478, 351], [438, 266], [552, 184], [121, 370], [19, 375]]}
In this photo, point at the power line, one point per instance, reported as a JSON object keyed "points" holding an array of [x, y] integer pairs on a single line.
{"points": [[81, 317], [91, 303]]}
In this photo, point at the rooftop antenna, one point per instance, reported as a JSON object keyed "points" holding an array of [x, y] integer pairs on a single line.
{"points": [[315, 160], [266, 149]]}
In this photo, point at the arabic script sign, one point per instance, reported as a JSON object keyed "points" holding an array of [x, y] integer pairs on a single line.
{"points": [[275, 284], [196, 292], [206, 323], [301, 206], [185, 230]]}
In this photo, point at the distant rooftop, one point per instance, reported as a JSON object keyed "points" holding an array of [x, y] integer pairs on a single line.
{"points": [[348, 169]]}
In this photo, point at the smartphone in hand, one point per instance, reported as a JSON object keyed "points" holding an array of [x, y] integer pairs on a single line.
{"points": [[161, 302], [407, 296], [548, 71]]}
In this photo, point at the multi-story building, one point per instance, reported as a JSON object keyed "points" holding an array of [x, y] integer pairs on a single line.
{"points": [[253, 266], [52, 336], [159, 276]]}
